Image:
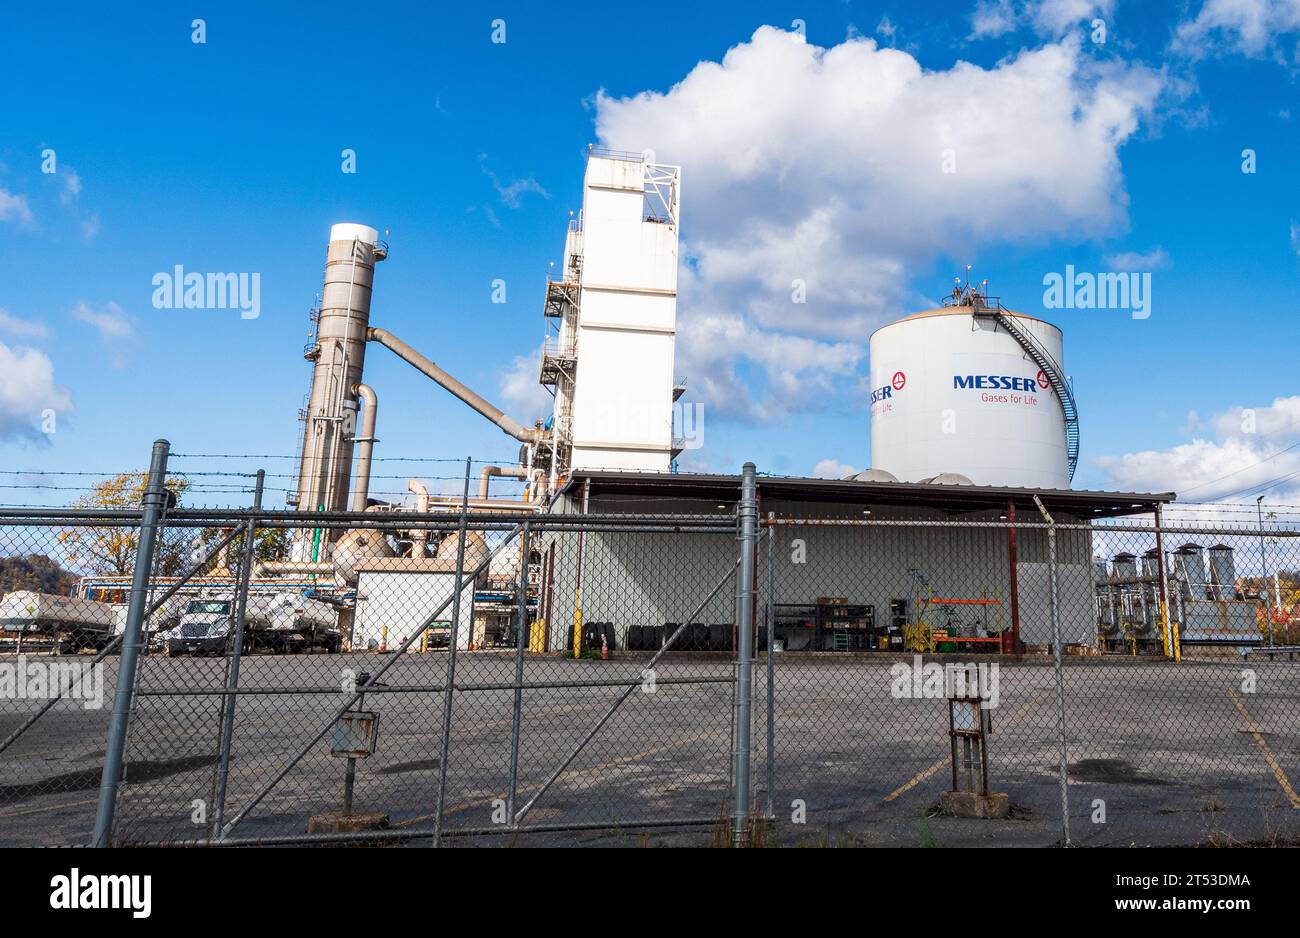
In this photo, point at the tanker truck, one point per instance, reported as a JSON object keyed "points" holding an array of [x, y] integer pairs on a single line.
{"points": [[283, 622], [62, 624]]}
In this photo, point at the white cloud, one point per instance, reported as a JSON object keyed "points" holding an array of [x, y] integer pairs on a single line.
{"points": [[825, 166], [525, 399], [110, 321], [27, 390], [833, 469], [1242, 450], [1052, 18], [1295, 237], [22, 328], [1250, 27], [512, 193], [116, 329], [70, 197], [992, 18], [1155, 259], [71, 186], [756, 375], [1055, 17], [14, 208]]}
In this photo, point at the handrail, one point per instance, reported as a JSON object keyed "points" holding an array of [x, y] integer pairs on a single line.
{"points": [[1043, 359]]}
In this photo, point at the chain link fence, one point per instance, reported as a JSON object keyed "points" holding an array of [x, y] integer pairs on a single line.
{"points": [[564, 677]]}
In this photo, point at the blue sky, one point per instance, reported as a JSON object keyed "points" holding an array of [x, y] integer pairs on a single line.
{"points": [[225, 156]]}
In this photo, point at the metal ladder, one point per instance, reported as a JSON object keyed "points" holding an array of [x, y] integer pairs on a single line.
{"points": [[1049, 367]]}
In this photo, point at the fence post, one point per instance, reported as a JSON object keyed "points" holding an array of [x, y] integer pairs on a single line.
{"points": [[246, 557], [1060, 676], [450, 682], [747, 522], [521, 643], [154, 503], [770, 619]]}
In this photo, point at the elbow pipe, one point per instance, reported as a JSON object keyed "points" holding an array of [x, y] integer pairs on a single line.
{"points": [[426, 366], [419, 536], [365, 440], [485, 477]]}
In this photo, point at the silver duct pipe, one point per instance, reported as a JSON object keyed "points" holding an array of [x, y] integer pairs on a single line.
{"points": [[276, 568], [409, 355], [485, 477], [365, 440], [419, 536], [338, 354]]}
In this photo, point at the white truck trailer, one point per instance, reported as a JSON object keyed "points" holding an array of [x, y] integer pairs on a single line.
{"points": [[283, 622], [63, 624]]}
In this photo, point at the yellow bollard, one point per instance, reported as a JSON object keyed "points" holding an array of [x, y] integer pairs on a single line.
{"points": [[577, 633]]}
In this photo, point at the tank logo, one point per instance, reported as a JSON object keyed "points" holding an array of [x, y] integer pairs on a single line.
{"points": [[998, 382], [1042, 379], [885, 391], [896, 383]]}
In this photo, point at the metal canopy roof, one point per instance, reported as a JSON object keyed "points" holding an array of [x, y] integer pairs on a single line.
{"points": [[950, 498]]}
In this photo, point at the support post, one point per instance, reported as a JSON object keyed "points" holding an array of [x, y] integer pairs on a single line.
{"points": [[1014, 565], [521, 643], [1060, 674], [1171, 649], [154, 504], [449, 693], [1263, 569], [247, 556], [771, 665], [747, 523]]}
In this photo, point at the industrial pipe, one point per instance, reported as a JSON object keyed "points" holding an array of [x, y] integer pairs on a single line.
{"points": [[419, 536], [272, 568], [425, 365], [485, 477], [365, 438]]}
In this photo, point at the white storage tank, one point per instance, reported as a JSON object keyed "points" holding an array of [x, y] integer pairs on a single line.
{"points": [[955, 392]]}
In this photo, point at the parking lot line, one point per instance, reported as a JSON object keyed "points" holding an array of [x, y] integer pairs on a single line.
{"points": [[921, 776], [49, 807], [1258, 734]]}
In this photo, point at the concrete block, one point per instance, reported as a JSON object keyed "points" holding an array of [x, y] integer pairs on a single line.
{"points": [[336, 822], [973, 804]]}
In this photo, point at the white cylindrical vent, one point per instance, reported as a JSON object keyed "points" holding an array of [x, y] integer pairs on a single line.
{"points": [[338, 356], [956, 393]]}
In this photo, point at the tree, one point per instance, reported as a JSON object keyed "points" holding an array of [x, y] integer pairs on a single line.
{"points": [[269, 544], [35, 572], [109, 550]]}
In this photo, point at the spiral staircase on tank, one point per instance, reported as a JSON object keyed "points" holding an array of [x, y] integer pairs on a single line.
{"points": [[989, 307]]}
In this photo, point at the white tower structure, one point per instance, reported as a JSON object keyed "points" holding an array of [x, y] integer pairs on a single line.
{"points": [[610, 362]]}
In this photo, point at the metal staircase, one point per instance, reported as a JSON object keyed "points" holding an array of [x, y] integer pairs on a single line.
{"points": [[992, 308]]}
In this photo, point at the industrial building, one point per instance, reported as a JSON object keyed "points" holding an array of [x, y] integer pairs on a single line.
{"points": [[889, 570], [973, 419]]}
